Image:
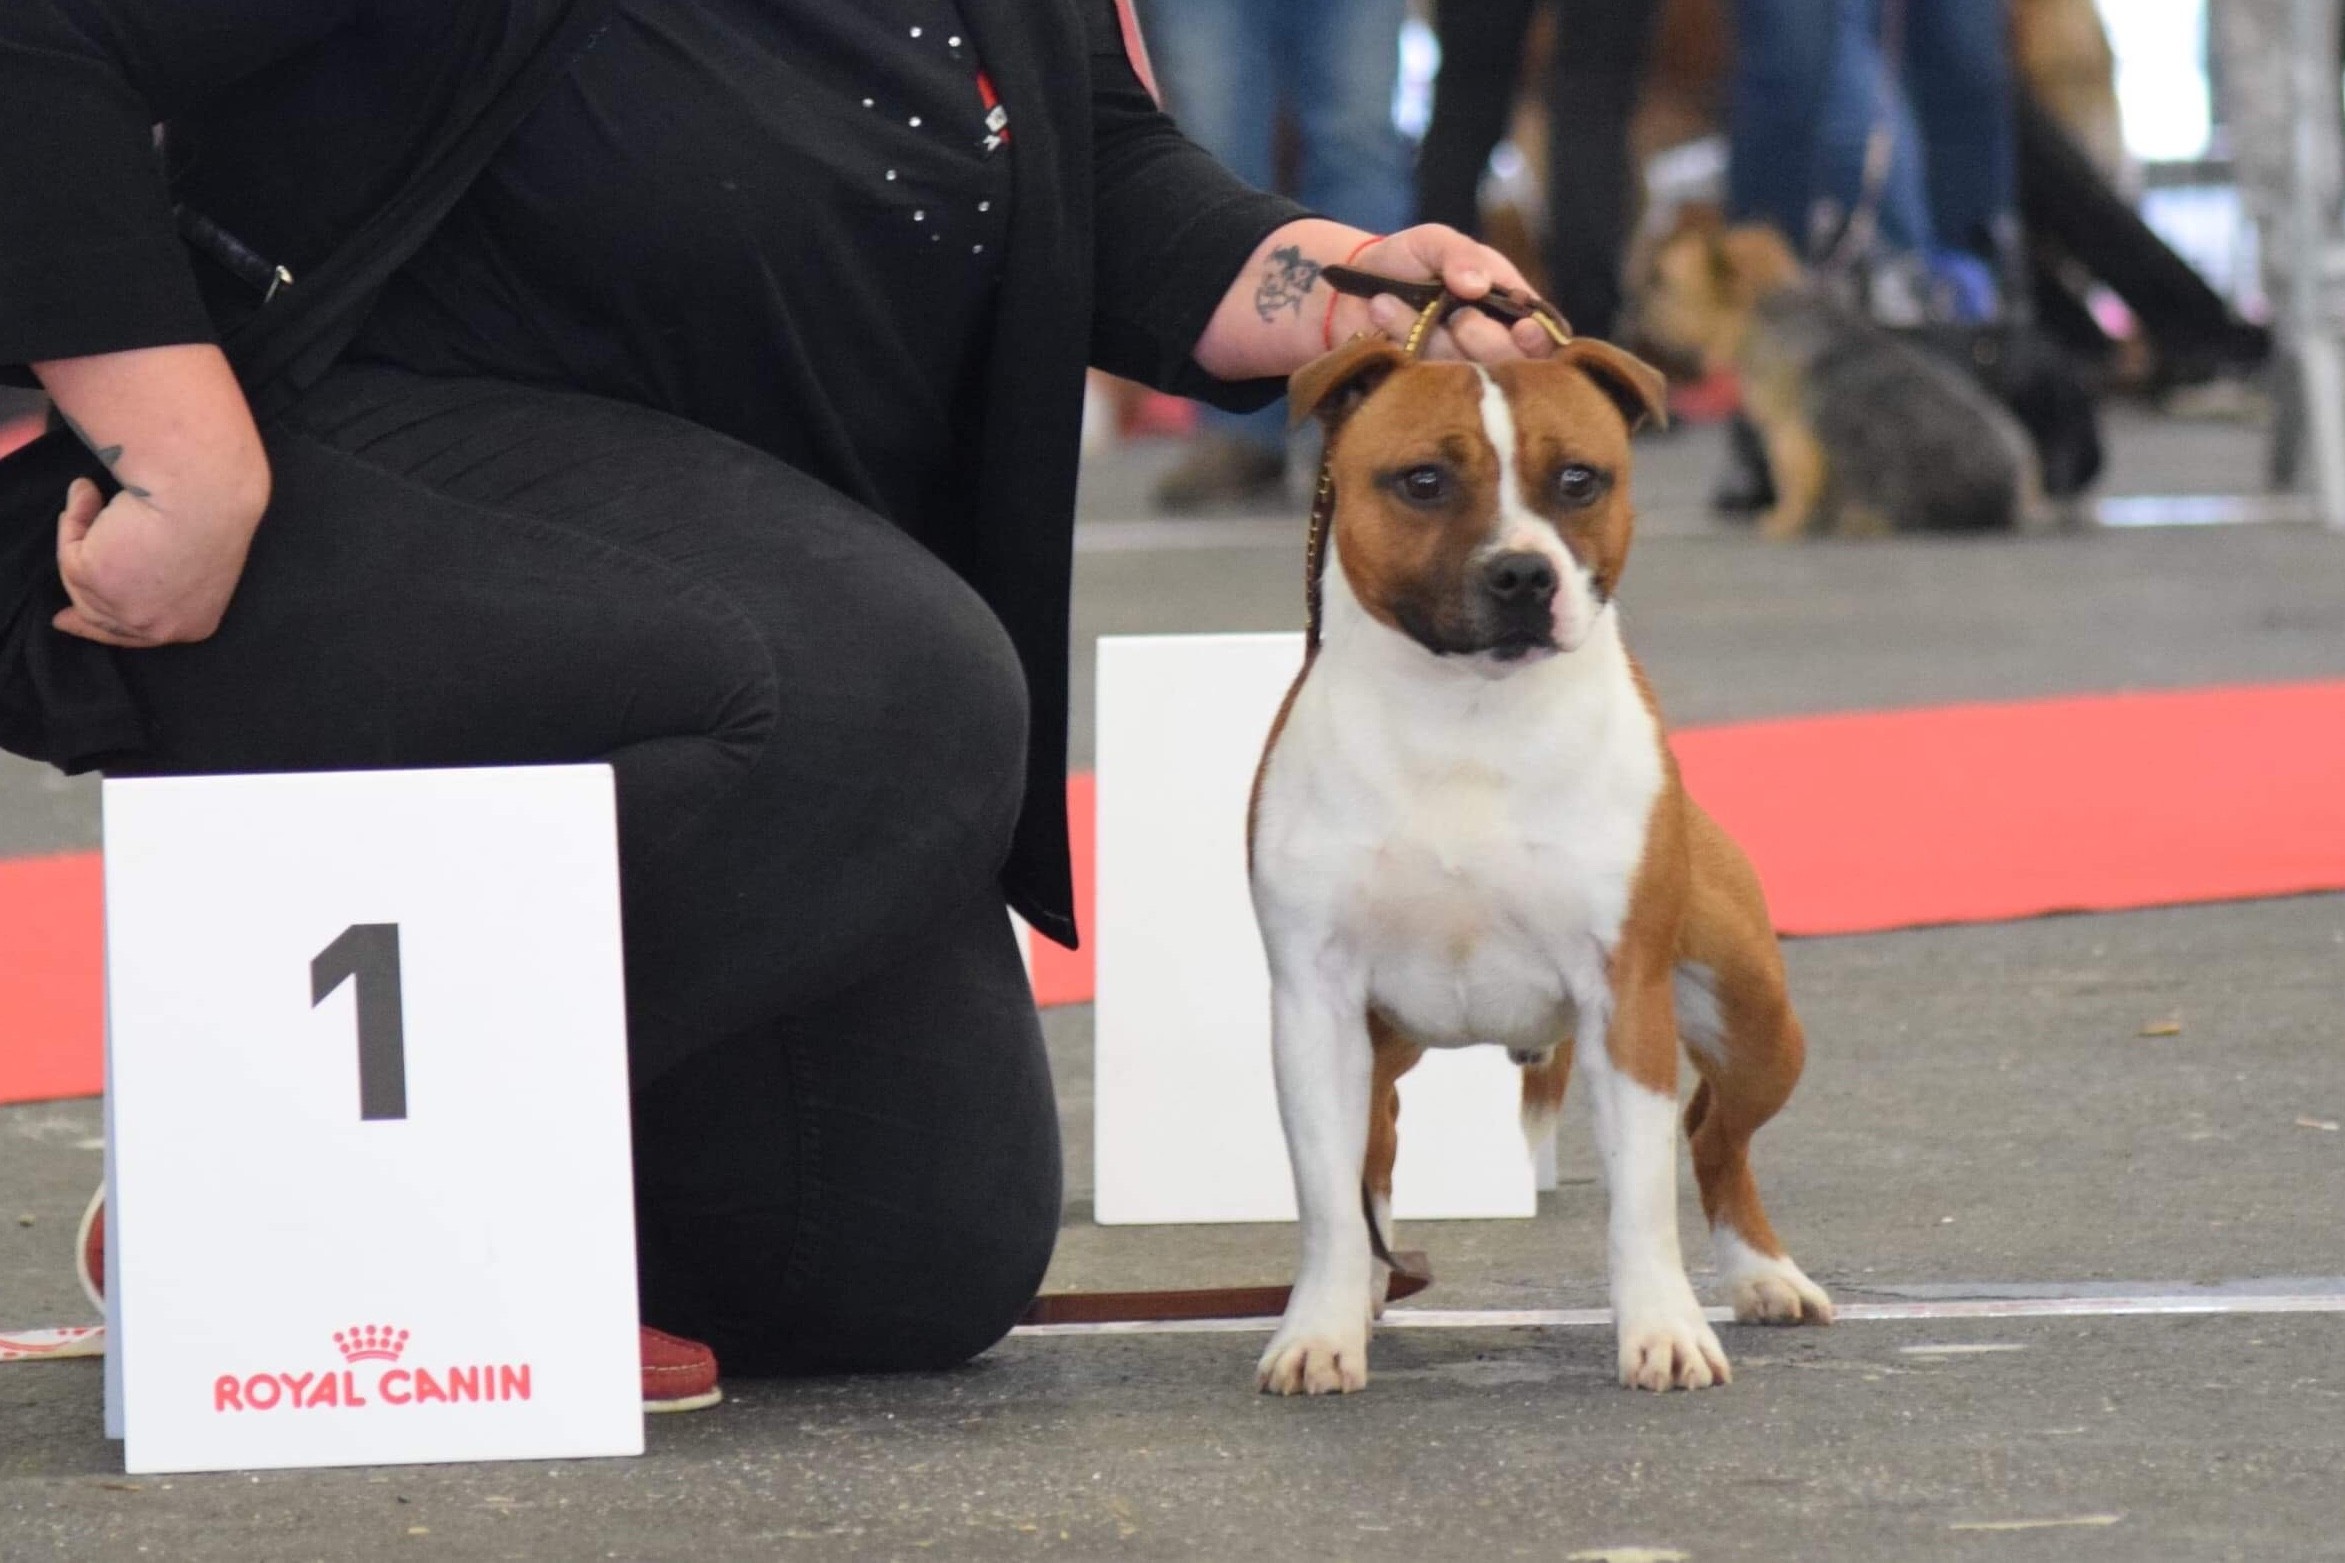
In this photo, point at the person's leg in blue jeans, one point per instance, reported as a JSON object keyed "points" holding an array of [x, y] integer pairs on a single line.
{"points": [[1958, 71], [1227, 68], [1859, 97], [1783, 60], [1218, 64], [1341, 62], [1808, 90]]}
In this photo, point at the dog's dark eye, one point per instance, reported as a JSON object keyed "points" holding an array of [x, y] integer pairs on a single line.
{"points": [[1577, 484], [1426, 485]]}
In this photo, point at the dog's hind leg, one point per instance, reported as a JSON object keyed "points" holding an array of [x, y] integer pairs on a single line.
{"points": [[1396, 1055], [1544, 1082], [1736, 1020], [1745, 1080]]}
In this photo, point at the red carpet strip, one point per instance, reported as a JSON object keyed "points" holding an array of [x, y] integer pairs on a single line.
{"points": [[1858, 823]]}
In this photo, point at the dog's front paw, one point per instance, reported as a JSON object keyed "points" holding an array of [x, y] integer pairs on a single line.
{"points": [[1304, 1360], [1670, 1346]]}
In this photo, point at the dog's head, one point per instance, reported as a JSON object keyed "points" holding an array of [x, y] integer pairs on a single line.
{"points": [[1481, 513], [1697, 287]]}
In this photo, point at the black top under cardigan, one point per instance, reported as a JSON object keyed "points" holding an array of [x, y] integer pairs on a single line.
{"points": [[294, 122], [779, 219]]}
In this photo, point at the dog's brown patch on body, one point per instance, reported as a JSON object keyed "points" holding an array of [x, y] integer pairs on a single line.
{"points": [[1697, 901], [1749, 1076]]}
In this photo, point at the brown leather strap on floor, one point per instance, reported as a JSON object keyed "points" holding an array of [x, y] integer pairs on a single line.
{"points": [[1411, 1275]]}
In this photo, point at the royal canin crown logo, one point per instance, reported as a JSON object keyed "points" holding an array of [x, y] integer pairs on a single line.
{"points": [[370, 1343], [349, 1387]]}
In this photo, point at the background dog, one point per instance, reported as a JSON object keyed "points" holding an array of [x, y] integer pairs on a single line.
{"points": [[1863, 433]]}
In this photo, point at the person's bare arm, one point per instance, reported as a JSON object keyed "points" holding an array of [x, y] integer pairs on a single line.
{"points": [[158, 563], [1274, 318]]}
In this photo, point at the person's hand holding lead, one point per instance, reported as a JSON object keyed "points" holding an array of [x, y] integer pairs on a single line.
{"points": [[1468, 268]]}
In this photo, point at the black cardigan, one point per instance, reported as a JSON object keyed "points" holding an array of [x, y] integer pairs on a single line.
{"points": [[294, 122]]}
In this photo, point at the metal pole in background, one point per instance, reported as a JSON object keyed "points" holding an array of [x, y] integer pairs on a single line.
{"points": [[2320, 354]]}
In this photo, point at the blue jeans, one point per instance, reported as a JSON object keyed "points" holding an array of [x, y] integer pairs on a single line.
{"points": [[1808, 90], [1228, 67]]}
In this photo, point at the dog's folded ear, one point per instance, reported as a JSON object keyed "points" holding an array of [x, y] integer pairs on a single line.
{"points": [[1330, 386], [1638, 389]]}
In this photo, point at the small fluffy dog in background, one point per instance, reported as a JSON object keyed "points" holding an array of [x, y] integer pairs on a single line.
{"points": [[1864, 433]]}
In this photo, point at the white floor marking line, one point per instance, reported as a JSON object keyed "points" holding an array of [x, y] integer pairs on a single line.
{"points": [[89, 1340], [2201, 509], [2080, 1521], [2152, 1305]]}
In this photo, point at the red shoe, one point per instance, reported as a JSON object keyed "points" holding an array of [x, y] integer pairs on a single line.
{"points": [[89, 1251], [678, 1374]]}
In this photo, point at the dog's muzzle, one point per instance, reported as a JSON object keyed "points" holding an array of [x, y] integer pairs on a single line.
{"points": [[1518, 604]]}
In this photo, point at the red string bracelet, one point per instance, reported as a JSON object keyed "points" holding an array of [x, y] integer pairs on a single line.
{"points": [[1327, 326]]}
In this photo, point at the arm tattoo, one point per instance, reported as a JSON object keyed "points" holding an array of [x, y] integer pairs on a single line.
{"points": [[1286, 281], [111, 455]]}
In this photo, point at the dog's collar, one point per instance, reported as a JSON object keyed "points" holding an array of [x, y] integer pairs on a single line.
{"points": [[1434, 303]]}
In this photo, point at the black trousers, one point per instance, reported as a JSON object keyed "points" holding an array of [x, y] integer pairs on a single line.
{"points": [[1599, 66], [846, 1146]]}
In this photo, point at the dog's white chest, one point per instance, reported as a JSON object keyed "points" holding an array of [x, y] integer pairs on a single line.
{"points": [[1470, 860]]}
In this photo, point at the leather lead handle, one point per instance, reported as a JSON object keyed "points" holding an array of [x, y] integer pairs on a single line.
{"points": [[1410, 1275], [1502, 304]]}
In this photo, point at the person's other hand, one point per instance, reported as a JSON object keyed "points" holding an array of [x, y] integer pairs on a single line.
{"points": [[140, 578], [1468, 268]]}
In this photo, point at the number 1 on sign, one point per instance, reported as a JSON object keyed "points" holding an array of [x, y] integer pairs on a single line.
{"points": [[367, 957]]}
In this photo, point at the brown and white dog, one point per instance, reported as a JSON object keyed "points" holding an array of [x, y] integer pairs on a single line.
{"points": [[1467, 829]]}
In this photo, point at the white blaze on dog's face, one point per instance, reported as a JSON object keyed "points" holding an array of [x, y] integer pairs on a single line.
{"points": [[1483, 513]]}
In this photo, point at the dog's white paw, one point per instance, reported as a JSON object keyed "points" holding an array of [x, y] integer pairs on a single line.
{"points": [[1783, 1296], [1768, 1289], [1670, 1346], [1304, 1359]]}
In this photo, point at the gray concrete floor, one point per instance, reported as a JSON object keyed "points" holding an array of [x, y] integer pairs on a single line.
{"points": [[1980, 1111]]}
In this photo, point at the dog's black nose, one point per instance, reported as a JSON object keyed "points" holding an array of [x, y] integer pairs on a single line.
{"points": [[1520, 578]]}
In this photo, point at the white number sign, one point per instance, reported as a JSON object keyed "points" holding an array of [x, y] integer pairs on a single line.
{"points": [[1187, 1116], [369, 1179]]}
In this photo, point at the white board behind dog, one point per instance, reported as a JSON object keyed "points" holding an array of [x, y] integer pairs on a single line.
{"points": [[1187, 1116]]}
